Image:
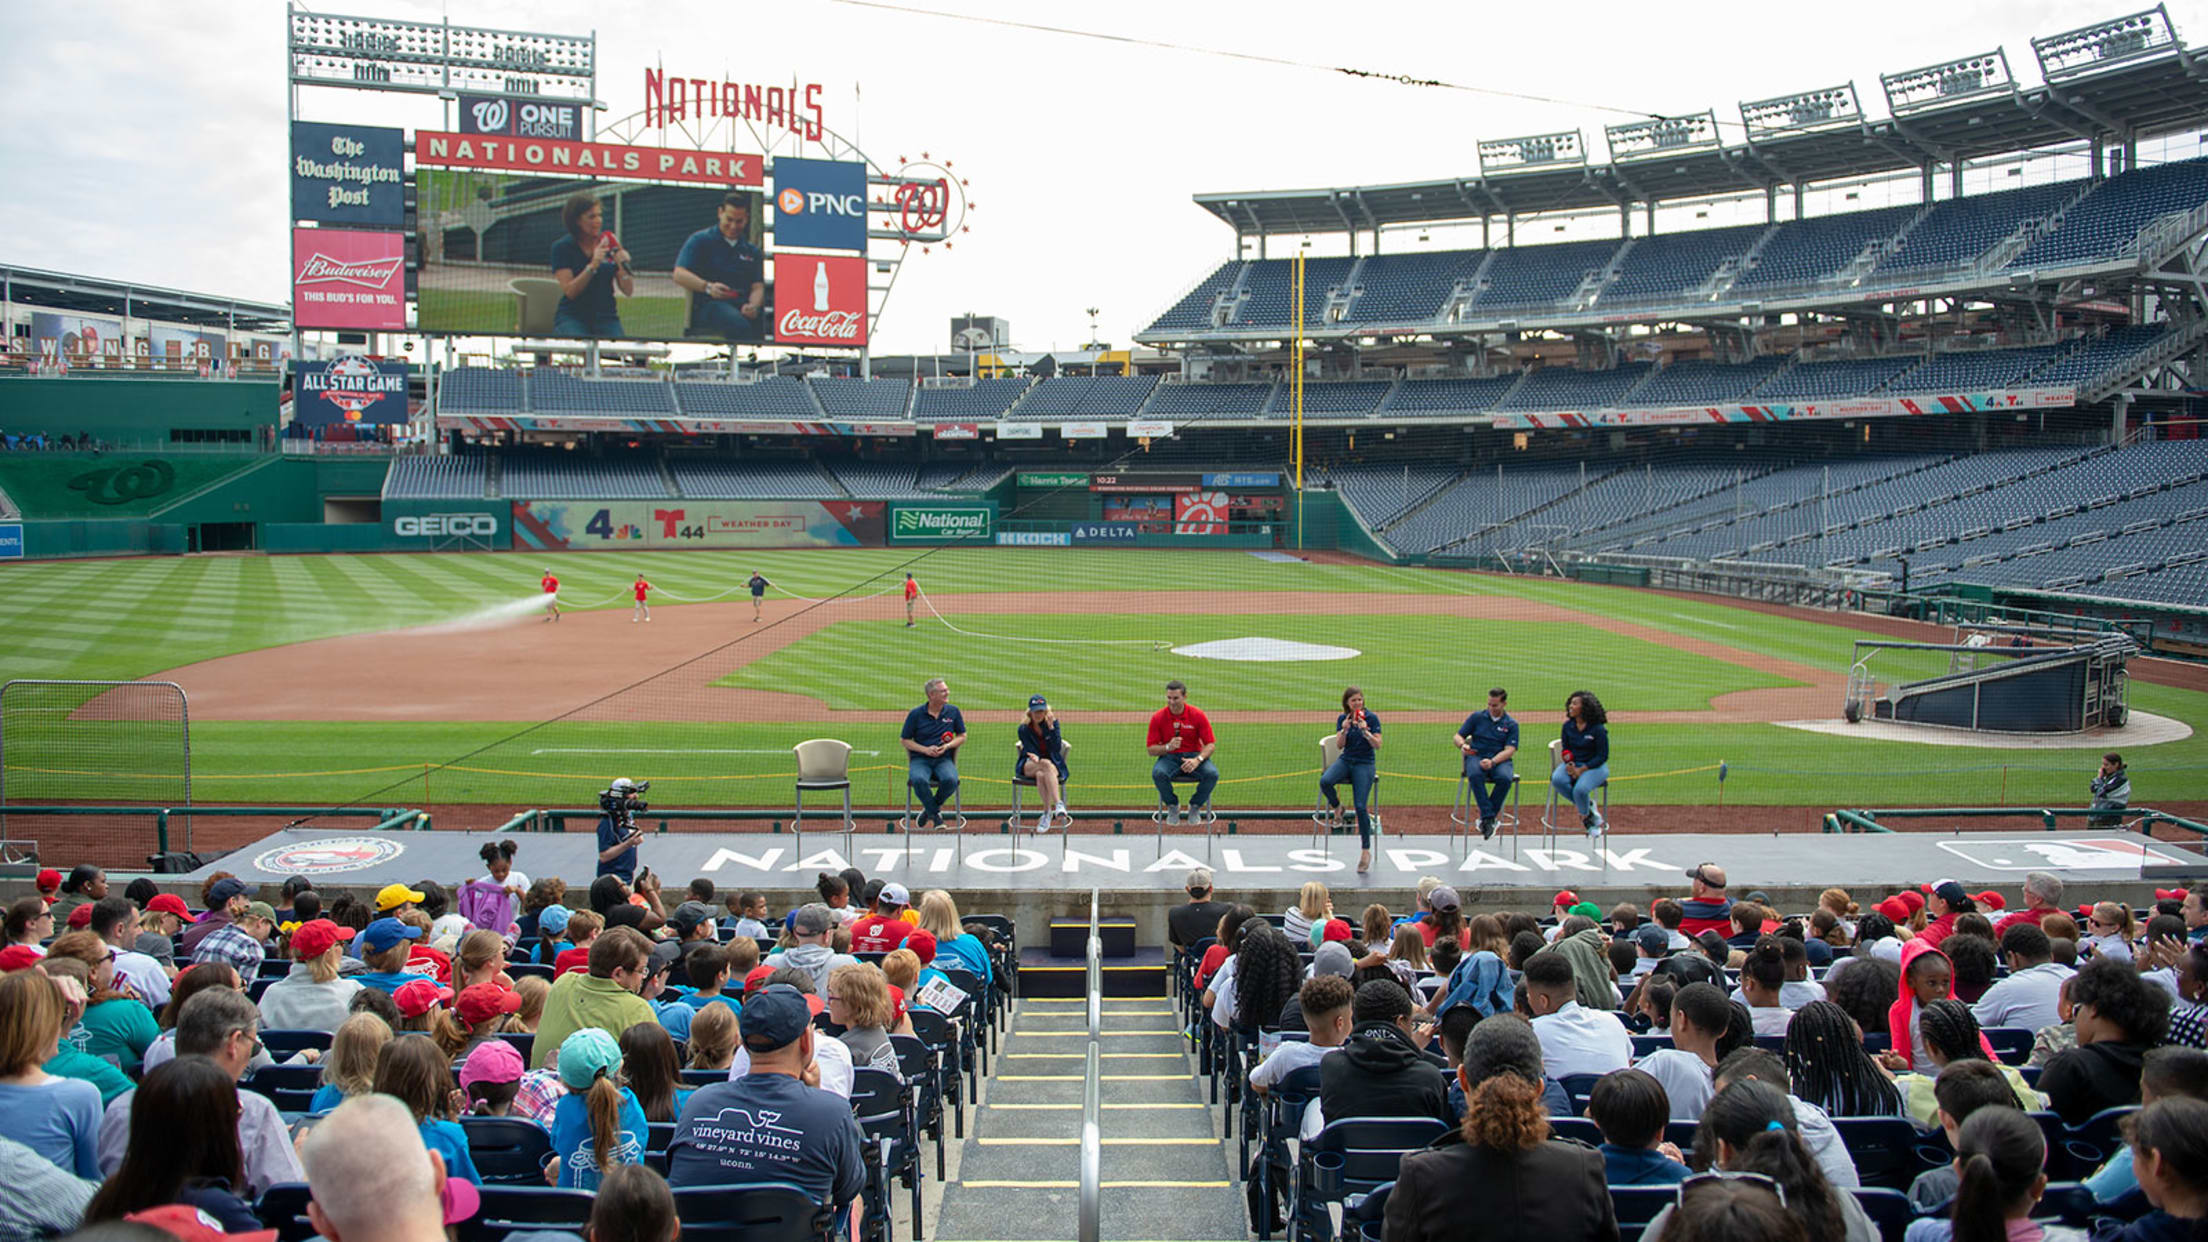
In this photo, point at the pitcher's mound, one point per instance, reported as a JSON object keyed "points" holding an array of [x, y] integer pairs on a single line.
{"points": [[1265, 649]]}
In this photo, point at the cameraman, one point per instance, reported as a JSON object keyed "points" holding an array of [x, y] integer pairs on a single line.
{"points": [[618, 833]]}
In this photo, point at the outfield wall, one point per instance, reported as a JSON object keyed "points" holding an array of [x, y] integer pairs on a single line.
{"points": [[126, 411]]}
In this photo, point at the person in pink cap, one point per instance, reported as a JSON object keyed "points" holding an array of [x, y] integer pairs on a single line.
{"points": [[312, 997], [490, 1077]]}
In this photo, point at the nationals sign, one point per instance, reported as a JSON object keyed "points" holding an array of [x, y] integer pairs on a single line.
{"points": [[343, 278], [603, 161], [820, 300]]}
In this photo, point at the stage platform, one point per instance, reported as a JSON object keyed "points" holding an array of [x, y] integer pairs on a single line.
{"points": [[1038, 878]]}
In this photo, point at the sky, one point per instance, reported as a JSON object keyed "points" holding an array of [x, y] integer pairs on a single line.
{"points": [[146, 141]]}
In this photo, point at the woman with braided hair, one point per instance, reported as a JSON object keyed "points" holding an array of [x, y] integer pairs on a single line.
{"points": [[1951, 1034], [1828, 1067], [1267, 972]]}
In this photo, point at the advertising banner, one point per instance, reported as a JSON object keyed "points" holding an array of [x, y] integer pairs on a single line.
{"points": [[945, 522], [1084, 431], [1149, 428], [561, 525], [174, 344], [1033, 539], [958, 431], [1007, 430], [348, 279], [1200, 513], [11, 541], [493, 245], [819, 204], [601, 161], [1051, 478], [350, 389], [520, 118], [433, 522], [1145, 482], [348, 174], [1104, 532], [1245, 479], [74, 336], [820, 300]]}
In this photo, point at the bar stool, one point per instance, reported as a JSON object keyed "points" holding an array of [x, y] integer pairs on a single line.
{"points": [[1549, 813], [1330, 749], [1020, 782], [955, 821], [1464, 811]]}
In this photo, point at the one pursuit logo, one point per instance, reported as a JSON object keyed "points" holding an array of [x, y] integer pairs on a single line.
{"points": [[332, 857], [491, 116]]}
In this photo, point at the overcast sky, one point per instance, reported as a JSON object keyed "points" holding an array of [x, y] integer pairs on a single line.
{"points": [[146, 141]]}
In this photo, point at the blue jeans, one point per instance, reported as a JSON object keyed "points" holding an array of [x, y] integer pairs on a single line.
{"points": [[933, 781], [1581, 791], [1489, 788], [573, 323], [1360, 777], [713, 317], [1168, 768]]}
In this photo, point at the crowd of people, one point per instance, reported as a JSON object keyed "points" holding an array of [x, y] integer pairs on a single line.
{"points": [[1948, 1009], [131, 1022]]}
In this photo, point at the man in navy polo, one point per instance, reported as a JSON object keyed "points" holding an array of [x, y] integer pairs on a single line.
{"points": [[933, 733], [725, 274], [1489, 739]]}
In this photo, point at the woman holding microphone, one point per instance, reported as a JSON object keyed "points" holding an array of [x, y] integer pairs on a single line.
{"points": [[1357, 736], [1585, 765], [591, 266]]}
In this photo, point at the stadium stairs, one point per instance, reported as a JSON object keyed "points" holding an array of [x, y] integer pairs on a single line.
{"points": [[1165, 1172]]}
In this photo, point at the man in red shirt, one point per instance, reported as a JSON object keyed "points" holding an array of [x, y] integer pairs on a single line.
{"points": [[1180, 737], [1709, 909], [883, 931], [912, 594], [2042, 897], [551, 587], [643, 611]]}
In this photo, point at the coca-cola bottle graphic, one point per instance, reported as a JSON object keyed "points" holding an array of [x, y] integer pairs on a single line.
{"points": [[820, 286]]}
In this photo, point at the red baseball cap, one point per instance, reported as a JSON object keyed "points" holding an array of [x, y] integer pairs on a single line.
{"points": [[1991, 900], [1337, 929], [19, 957], [897, 1002], [922, 944], [2169, 894], [483, 1001], [170, 903], [189, 1224], [49, 881], [314, 937], [1912, 899], [419, 997], [1894, 908], [757, 977], [1565, 898], [81, 917]]}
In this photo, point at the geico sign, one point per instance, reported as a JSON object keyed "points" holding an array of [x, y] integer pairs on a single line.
{"points": [[436, 524]]}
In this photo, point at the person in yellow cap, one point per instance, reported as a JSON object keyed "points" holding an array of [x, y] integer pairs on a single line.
{"points": [[392, 898]]}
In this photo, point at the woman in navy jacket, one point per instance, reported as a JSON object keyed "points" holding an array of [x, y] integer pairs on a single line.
{"points": [[1586, 760]]}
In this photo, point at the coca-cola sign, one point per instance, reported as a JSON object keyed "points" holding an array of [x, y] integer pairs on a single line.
{"points": [[348, 279], [820, 300]]}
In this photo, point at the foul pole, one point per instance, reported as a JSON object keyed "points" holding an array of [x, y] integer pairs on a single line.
{"points": [[1295, 395]]}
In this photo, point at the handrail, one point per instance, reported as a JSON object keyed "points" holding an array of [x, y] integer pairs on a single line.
{"points": [[1092, 1093]]}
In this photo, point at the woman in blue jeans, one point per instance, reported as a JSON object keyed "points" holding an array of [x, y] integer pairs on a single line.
{"points": [[1357, 734], [1586, 761]]}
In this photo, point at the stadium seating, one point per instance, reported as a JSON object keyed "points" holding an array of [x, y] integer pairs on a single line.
{"points": [[1195, 307], [1568, 388], [1977, 370], [984, 401], [1209, 401], [870, 400], [1704, 383], [1439, 397], [1351, 397], [1411, 288], [1536, 276], [878, 480], [571, 476], [437, 478], [1827, 381], [2105, 223], [1803, 252], [557, 392], [1674, 266], [480, 390], [1080, 396], [776, 396], [716, 479], [1269, 291], [1958, 231]]}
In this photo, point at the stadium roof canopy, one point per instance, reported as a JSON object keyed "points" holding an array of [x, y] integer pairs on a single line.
{"points": [[2114, 82], [93, 295]]}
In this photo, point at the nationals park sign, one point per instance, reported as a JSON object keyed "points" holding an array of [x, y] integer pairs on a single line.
{"points": [[603, 160]]}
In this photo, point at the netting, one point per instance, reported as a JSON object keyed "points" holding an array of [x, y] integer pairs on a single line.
{"points": [[94, 744]]}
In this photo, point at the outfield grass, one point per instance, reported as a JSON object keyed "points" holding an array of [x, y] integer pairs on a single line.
{"points": [[470, 312], [124, 619]]}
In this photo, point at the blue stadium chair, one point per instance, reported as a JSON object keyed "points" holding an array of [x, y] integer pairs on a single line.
{"points": [[2090, 1143], [283, 1208], [768, 1212], [524, 1042], [290, 1087], [282, 1044], [1578, 1128], [1353, 1155], [1885, 1149], [508, 1149], [1579, 1087], [884, 1107], [526, 1209], [1635, 1206], [1281, 1119], [2013, 1045], [1889, 1209], [923, 1069]]}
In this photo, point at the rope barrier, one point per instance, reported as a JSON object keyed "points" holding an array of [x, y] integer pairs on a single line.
{"points": [[1155, 644]]}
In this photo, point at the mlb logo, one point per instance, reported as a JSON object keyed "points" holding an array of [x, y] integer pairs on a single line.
{"points": [[2058, 855]]}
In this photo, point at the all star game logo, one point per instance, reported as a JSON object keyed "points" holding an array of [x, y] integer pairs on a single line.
{"points": [[332, 857], [353, 389]]}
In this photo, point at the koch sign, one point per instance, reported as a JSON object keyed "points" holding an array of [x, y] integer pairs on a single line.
{"points": [[351, 389], [819, 204], [520, 118], [348, 174], [343, 278]]}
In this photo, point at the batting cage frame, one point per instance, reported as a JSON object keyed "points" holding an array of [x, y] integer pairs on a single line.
{"points": [[74, 754]]}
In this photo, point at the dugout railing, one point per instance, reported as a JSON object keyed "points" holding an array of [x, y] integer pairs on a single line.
{"points": [[161, 820]]}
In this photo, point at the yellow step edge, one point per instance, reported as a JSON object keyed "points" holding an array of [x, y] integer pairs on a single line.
{"points": [[995, 1184], [1081, 1077], [1075, 1056], [1164, 1030], [991, 1104], [1110, 1142]]}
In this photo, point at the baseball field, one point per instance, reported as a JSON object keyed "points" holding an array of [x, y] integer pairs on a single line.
{"points": [[430, 680]]}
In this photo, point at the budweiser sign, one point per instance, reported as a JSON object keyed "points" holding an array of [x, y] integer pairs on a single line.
{"points": [[820, 300], [348, 279]]}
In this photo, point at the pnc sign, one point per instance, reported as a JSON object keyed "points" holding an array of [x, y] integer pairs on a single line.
{"points": [[819, 204]]}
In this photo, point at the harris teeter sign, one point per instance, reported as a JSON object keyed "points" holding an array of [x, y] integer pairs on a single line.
{"points": [[942, 523]]}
